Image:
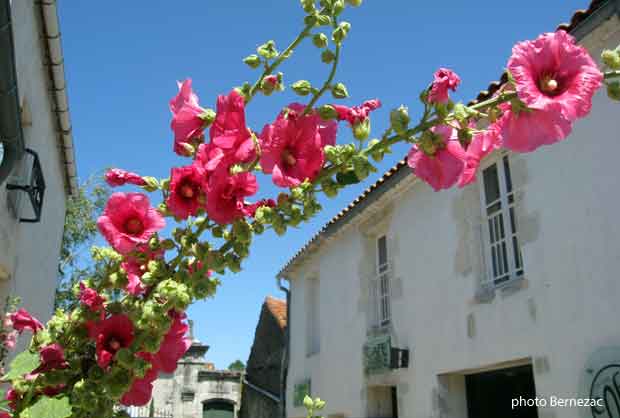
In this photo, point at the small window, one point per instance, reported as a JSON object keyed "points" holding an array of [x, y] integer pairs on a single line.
{"points": [[502, 251], [312, 317], [381, 285]]}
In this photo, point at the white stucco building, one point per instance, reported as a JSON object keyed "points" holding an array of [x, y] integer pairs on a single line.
{"points": [[34, 122], [411, 303]]}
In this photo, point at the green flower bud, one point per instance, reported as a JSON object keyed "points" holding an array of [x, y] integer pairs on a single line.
{"points": [[399, 120], [361, 130], [263, 215], [308, 6], [327, 112], [341, 32], [354, 3], [323, 20], [338, 7], [332, 154], [330, 188], [320, 40], [327, 56], [253, 61], [339, 91], [361, 166], [613, 90], [302, 87], [319, 403], [233, 262], [268, 50], [308, 402], [611, 58], [258, 228], [378, 154], [208, 116], [242, 231], [151, 184]]}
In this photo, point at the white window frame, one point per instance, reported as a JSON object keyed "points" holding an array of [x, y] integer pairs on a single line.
{"points": [[381, 286], [502, 254]]}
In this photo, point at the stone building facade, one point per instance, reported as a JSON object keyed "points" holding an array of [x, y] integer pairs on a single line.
{"points": [[262, 389], [196, 389]]}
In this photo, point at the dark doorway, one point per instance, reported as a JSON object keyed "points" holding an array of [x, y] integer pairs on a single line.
{"points": [[490, 394], [394, 402], [218, 409]]}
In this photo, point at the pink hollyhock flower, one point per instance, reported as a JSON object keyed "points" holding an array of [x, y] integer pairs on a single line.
{"points": [[209, 157], [22, 320], [271, 79], [229, 131], [442, 169], [116, 177], [187, 194], [135, 267], [52, 358], [227, 193], [357, 114], [186, 122], [553, 69], [10, 340], [528, 129], [292, 147], [129, 220], [141, 390], [443, 81], [111, 335], [481, 145], [91, 298], [250, 209], [174, 345]]}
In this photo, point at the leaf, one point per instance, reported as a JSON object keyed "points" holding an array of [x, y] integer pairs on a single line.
{"points": [[23, 363], [50, 408]]}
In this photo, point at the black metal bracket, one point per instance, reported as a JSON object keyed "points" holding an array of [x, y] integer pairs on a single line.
{"points": [[35, 189]]}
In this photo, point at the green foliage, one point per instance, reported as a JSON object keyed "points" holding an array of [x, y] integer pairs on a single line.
{"points": [[46, 407], [237, 366], [23, 363]]}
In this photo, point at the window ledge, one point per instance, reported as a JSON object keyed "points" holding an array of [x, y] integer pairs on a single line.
{"points": [[485, 293]]}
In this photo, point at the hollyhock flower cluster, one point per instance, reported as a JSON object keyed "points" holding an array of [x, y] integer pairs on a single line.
{"points": [[90, 298], [116, 177], [439, 162], [443, 80], [292, 146], [186, 124], [128, 220], [22, 320], [110, 335], [356, 114]]}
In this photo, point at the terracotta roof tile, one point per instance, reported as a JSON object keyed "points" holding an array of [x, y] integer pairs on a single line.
{"points": [[578, 17], [277, 307]]}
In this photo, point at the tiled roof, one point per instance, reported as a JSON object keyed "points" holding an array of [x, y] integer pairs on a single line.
{"points": [[339, 219], [277, 307]]}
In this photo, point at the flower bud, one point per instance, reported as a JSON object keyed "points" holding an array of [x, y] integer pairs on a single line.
{"points": [[253, 61], [327, 112], [327, 56], [208, 116], [319, 403], [331, 154], [361, 167], [399, 119], [320, 40], [613, 90], [150, 184], [323, 20], [377, 154], [354, 3], [338, 7], [611, 58], [263, 214], [308, 6], [330, 188], [341, 32], [361, 130], [339, 91], [268, 50], [302, 87], [308, 402]]}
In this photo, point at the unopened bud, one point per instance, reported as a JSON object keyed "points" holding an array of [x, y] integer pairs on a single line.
{"points": [[338, 7], [361, 130], [253, 61], [150, 184], [613, 90], [399, 119], [267, 50], [302, 87], [354, 3], [327, 56], [339, 91], [327, 112], [208, 116], [308, 6], [611, 58], [323, 20], [341, 32], [320, 40]]}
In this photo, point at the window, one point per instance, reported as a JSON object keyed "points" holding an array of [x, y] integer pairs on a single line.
{"points": [[381, 285], [312, 316], [502, 253]]}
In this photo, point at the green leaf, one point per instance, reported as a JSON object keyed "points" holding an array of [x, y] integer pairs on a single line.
{"points": [[50, 408], [23, 363]]}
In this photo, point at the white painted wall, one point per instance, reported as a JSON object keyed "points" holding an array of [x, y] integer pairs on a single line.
{"points": [[565, 309], [29, 252]]}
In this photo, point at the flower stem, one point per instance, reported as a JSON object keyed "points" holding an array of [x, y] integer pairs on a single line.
{"points": [[269, 69], [612, 74]]}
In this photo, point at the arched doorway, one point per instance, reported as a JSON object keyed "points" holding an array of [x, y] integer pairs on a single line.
{"points": [[218, 408]]}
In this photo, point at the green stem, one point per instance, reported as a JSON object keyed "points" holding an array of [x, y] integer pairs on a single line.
{"points": [[269, 69], [327, 83], [611, 74]]}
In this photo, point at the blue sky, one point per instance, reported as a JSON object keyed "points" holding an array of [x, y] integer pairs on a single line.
{"points": [[123, 58]]}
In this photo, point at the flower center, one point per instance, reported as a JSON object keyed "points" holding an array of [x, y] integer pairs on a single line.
{"points": [[288, 158], [549, 85], [114, 344], [187, 191], [134, 226]]}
